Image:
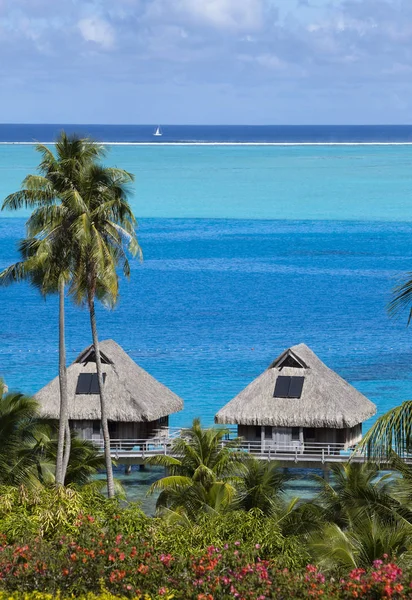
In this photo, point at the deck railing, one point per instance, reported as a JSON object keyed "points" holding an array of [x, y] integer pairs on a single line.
{"points": [[311, 451], [293, 451]]}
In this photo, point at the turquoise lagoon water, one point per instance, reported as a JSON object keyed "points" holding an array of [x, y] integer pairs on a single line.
{"points": [[254, 182], [247, 250]]}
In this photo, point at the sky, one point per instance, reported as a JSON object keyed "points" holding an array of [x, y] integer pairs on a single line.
{"points": [[206, 61]]}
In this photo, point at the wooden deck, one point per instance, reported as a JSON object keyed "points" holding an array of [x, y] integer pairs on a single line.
{"points": [[309, 455]]}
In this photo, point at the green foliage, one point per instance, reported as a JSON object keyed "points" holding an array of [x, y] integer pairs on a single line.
{"points": [[368, 539], [85, 459], [355, 490], [237, 526], [201, 473], [260, 484], [28, 447], [21, 435], [58, 596], [26, 513]]}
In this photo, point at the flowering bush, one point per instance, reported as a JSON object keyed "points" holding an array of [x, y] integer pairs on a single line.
{"points": [[111, 565], [111, 553]]}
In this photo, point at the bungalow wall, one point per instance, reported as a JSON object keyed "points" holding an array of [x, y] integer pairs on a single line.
{"points": [[121, 430], [297, 436]]}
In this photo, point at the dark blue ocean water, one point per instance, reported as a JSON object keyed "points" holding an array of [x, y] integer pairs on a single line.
{"points": [[215, 301], [214, 133]]}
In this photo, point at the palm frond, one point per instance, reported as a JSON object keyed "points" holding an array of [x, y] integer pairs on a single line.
{"points": [[392, 432]]}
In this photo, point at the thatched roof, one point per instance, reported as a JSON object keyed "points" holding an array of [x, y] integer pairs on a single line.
{"points": [[132, 394], [326, 399]]}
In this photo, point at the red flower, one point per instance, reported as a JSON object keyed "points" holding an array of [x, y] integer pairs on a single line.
{"points": [[143, 569]]}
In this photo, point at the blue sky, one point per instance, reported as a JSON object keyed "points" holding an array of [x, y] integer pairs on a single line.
{"points": [[206, 61]]}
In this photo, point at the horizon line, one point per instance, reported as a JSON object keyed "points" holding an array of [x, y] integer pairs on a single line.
{"points": [[216, 124]]}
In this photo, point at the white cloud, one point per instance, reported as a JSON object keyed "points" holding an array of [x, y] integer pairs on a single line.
{"points": [[97, 30], [239, 15]]}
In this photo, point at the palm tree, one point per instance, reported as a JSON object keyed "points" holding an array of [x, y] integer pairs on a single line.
{"points": [[202, 472], [85, 459], [260, 485], [393, 430], [368, 539], [103, 231], [40, 265], [47, 258], [21, 434], [355, 490]]}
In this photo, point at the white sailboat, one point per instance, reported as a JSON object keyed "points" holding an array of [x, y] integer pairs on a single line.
{"points": [[158, 131]]}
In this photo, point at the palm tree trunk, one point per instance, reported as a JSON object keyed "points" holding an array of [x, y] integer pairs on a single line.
{"points": [[63, 421], [67, 448], [105, 425]]}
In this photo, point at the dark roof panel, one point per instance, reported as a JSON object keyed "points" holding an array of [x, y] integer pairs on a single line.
{"points": [[296, 386]]}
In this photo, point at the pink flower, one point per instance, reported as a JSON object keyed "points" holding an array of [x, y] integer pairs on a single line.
{"points": [[257, 546]]}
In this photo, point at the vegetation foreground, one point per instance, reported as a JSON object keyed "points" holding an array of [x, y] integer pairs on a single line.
{"points": [[224, 527], [65, 543]]}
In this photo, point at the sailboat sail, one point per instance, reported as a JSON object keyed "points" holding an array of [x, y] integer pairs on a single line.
{"points": [[158, 131]]}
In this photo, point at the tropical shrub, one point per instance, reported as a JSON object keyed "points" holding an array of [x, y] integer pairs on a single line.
{"points": [[27, 513], [105, 571], [69, 543], [237, 526]]}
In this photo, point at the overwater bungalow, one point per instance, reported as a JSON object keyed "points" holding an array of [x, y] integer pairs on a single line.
{"points": [[297, 403], [138, 405]]}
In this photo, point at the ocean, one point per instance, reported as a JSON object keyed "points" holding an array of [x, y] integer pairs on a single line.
{"points": [[200, 134], [248, 249]]}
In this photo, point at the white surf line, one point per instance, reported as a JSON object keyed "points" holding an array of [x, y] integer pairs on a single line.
{"points": [[162, 144]]}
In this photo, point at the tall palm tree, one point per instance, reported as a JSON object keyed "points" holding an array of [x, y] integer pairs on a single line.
{"points": [[103, 231], [50, 254], [202, 472], [39, 264]]}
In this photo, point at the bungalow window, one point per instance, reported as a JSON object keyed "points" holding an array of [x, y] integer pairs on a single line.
{"points": [[295, 434], [87, 383], [289, 361], [310, 434], [96, 427], [91, 357], [288, 387], [258, 432]]}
